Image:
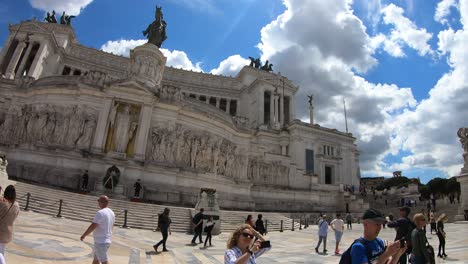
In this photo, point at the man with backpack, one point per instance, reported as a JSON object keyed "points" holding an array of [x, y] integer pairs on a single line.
{"points": [[404, 226], [197, 223], [369, 249]]}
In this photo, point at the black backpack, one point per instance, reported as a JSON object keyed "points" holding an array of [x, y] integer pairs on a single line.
{"points": [[409, 245], [346, 257]]}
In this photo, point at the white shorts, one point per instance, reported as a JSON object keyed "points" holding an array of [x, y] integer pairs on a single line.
{"points": [[100, 251], [338, 236]]}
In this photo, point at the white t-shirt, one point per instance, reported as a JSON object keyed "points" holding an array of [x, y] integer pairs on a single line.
{"points": [[104, 219], [338, 224]]}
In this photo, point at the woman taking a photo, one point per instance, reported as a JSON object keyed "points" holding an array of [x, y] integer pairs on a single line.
{"points": [[241, 248], [164, 223], [419, 253], [9, 210], [441, 234]]}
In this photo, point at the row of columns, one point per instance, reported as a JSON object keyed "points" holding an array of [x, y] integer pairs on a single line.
{"points": [[218, 102], [10, 72], [277, 108]]}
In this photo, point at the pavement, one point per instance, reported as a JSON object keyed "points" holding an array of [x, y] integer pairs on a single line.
{"points": [[44, 239]]}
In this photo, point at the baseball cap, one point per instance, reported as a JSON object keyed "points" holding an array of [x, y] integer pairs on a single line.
{"points": [[374, 215]]}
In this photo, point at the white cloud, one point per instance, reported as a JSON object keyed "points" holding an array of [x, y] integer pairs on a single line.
{"points": [[71, 7], [175, 58], [231, 66], [443, 10], [404, 31]]}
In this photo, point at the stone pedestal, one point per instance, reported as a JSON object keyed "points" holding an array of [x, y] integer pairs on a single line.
{"points": [[463, 180], [208, 200], [147, 65]]}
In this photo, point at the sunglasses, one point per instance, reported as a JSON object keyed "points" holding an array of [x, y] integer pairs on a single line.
{"points": [[247, 235]]}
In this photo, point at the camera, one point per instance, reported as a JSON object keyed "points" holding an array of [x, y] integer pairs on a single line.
{"points": [[265, 244]]}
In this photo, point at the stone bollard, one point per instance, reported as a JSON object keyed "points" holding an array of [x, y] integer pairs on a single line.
{"points": [[59, 214], [125, 219], [281, 226], [26, 207], [300, 223], [292, 228]]}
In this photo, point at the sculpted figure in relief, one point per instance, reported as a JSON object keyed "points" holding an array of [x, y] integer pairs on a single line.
{"points": [[122, 129], [84, 142], [75, 128]]}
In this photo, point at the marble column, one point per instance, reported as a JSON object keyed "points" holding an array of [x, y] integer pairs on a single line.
{"points": [[282, 109], [36, 66], [217, 102], [261, 100], [228, 105], [5, 49], [272, 109], [101, 127], [142, 133], [292, 108], [25, 59], [463, 180], [10, 72]]}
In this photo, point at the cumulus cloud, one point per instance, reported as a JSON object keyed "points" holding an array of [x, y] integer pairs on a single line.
{"points": [[404, 32], [314, 56], [443, 10], [71, 7], [231, 66], [175, 58]]}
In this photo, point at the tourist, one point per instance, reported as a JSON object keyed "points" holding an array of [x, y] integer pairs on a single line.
{"points": [[137, 187], [441, 235], [432, 222], [372, 222], [208, 228], [101, 227], [404, 226], [9, 210], [419, 253], [423, 212], [349, 221], [241, 250], [84, 181], [259, 226], [164, 224], [322, 233], [338, 226], [197, 222], [249, 221]]}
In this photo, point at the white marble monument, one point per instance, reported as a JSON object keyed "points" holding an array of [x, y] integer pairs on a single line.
{"points": [[66, 108], [463, 177]]}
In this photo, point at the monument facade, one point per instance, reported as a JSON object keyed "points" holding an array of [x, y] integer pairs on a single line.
{"points": [[66, 108]]}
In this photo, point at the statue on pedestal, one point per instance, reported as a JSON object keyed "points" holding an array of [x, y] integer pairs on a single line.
{"points": [[156, 31], [463, 135]]}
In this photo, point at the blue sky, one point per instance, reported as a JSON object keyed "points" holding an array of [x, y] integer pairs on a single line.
{"points": [[399, 64]]}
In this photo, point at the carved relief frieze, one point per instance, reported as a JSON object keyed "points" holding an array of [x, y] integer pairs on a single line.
{"points": [[49, 125]]}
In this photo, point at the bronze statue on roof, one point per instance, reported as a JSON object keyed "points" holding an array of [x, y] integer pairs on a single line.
{"points": [[156, 31]]}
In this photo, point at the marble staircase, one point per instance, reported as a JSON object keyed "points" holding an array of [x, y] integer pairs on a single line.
{"points": [[140, 215]]}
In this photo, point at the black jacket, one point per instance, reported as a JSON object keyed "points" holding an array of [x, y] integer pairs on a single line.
{"points": [[403, 227]]}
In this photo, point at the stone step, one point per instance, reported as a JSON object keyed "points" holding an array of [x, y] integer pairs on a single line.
{"points": [[140, 215]]}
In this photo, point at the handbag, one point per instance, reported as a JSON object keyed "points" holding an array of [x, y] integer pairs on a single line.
{"points": [[430, 252]]}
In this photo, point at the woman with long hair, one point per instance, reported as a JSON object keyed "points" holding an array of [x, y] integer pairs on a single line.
{"points": [[9, 210], [249, 221], [242, 248], [441, 234], [419, 253], [164, 224]]}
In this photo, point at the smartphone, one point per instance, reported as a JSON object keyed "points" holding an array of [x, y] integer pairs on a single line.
{"points": [[402, 242], [265, 244]]}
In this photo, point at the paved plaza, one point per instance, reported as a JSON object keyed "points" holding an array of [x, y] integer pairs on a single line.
{"points": [[44, 239]]}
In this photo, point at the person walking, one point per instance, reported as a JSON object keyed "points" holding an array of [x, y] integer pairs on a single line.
{"points": [[432, 222], [370, 248], [208, 228], [241, 248], [84, 181], [441, 235], [404, 226], [322, 233], [338, 226], [249, 221], [164, 224], [101, 227], [259, 226], [9, 210], [137, 187], [349, 221], [197, 222], [419, 253]]}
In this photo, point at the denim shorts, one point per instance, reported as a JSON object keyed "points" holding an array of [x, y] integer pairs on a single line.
{"points": [[338, 235], [100, 251]]}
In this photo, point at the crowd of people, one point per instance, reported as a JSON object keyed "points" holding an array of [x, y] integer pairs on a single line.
{"points": [[247, 242]]}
